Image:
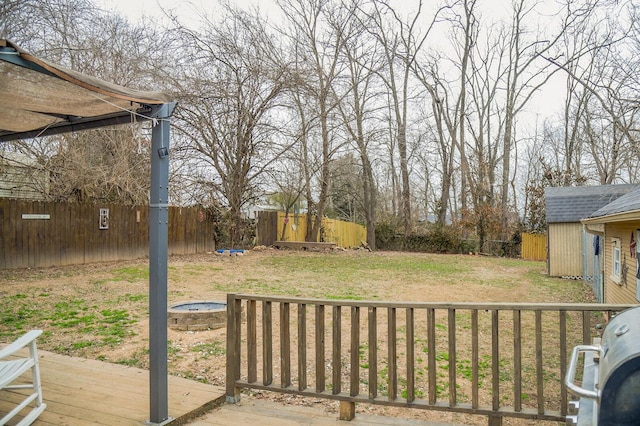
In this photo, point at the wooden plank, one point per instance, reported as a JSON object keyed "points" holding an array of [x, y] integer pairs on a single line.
{"points": [[4, 232], [373, 352], [410, 355], [475, 358], [78, 236], [267, 344], [451, 328], [234, 306], [354, 385], [285, 345], [392, 353], [7, 232], [302, 346], [252, 344], [320, 349], [83, 392], [347, 410], [56, 244], [71, 235], [586, 328], [517, 360], [495, 360], [336, 360], [431, 354], [539, 363], [27, 237], [563, 360]]}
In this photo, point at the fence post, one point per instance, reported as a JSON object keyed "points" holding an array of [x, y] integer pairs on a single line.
{"points": [[233, 348]]}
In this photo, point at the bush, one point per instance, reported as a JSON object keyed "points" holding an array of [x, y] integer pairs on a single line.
{"points": [[386, 235], [435, 239], [430, 239]]}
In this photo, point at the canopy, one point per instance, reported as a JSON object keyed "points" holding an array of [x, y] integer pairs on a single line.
{"points": [[39, 98]]}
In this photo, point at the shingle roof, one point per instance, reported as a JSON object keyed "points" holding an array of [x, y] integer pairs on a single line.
{"points": [[626, 203], [570, 204]]}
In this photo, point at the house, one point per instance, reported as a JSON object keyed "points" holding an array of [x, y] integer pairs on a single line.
{"points": [[22, 177], [617, 226], [567, 245]]}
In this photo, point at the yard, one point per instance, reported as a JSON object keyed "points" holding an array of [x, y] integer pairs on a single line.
{"points": [[100, 311]]}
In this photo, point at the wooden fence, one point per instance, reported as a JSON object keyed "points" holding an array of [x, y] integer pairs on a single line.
{"points": [[534, 246], [271, 224], [495, 360], [41, 234]]}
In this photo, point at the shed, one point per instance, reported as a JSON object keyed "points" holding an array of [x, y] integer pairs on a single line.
{"points": [[40, 98], [567, 245], [618, 226]]}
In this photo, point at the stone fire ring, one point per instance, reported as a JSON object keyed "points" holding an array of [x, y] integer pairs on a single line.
{"points": [[197, 315]]}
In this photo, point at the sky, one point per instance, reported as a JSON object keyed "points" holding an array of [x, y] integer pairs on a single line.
{"points": [[188, 12], [136, 9]]}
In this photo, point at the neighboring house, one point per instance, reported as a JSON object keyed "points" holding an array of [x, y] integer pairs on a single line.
{"points": [[618, 227], [567, 245], [22, 177]]}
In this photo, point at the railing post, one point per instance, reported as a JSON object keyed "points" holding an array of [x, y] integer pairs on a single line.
{"points": [[233, 348], [495, 420], [347, 410]]}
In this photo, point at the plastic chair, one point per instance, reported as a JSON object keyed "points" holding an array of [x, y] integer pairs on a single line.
{"points": [[12, 367]]}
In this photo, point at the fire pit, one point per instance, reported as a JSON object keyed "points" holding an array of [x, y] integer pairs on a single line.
{"points": [[197, 315]]}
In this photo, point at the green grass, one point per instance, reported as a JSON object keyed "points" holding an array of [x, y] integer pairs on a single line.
{"points": [[206, 350], [345, 268], [97, 311], [91, 325], [131, 274]]}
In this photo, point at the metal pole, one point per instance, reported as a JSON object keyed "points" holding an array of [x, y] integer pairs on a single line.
{"points": [[158, 255]]}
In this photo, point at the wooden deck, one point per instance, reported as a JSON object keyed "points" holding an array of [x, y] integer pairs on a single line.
{"points": [[80, 391]]}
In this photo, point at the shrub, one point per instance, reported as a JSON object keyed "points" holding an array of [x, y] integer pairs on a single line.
{"points": [[431, 239]]}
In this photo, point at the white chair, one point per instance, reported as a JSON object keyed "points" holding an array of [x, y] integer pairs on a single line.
{"points": [[12, 367]]}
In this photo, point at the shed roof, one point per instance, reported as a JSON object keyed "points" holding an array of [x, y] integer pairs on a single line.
{"points": [[571, 204], [40, 98]]}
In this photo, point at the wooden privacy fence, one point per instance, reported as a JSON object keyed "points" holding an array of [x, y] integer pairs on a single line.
{"points": [[490, 359], [534, 246], [271, 224], [40, 234]]}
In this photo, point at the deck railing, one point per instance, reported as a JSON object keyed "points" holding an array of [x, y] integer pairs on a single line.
{"points": [[492, 359]]}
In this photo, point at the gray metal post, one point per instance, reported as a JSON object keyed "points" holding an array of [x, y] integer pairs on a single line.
{"points": [[158, 255]]}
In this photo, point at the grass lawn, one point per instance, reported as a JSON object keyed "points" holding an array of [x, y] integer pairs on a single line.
{"points": [[100, 311]]}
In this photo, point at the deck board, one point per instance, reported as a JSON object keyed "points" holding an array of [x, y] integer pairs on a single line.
{"points": [[81, 392]]}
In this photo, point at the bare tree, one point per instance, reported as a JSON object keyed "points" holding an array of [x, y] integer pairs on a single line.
{"points": [[358, 104], [228, 91], [316, 46], [400, 41], [108, 164], [524, 75], [448, 99]]}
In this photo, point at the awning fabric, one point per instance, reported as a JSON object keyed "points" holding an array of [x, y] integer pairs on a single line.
{"points": [[38, 98]]}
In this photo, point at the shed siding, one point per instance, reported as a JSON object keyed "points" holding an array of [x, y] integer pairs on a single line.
{"points": [[565, 249], [625, 290]]}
